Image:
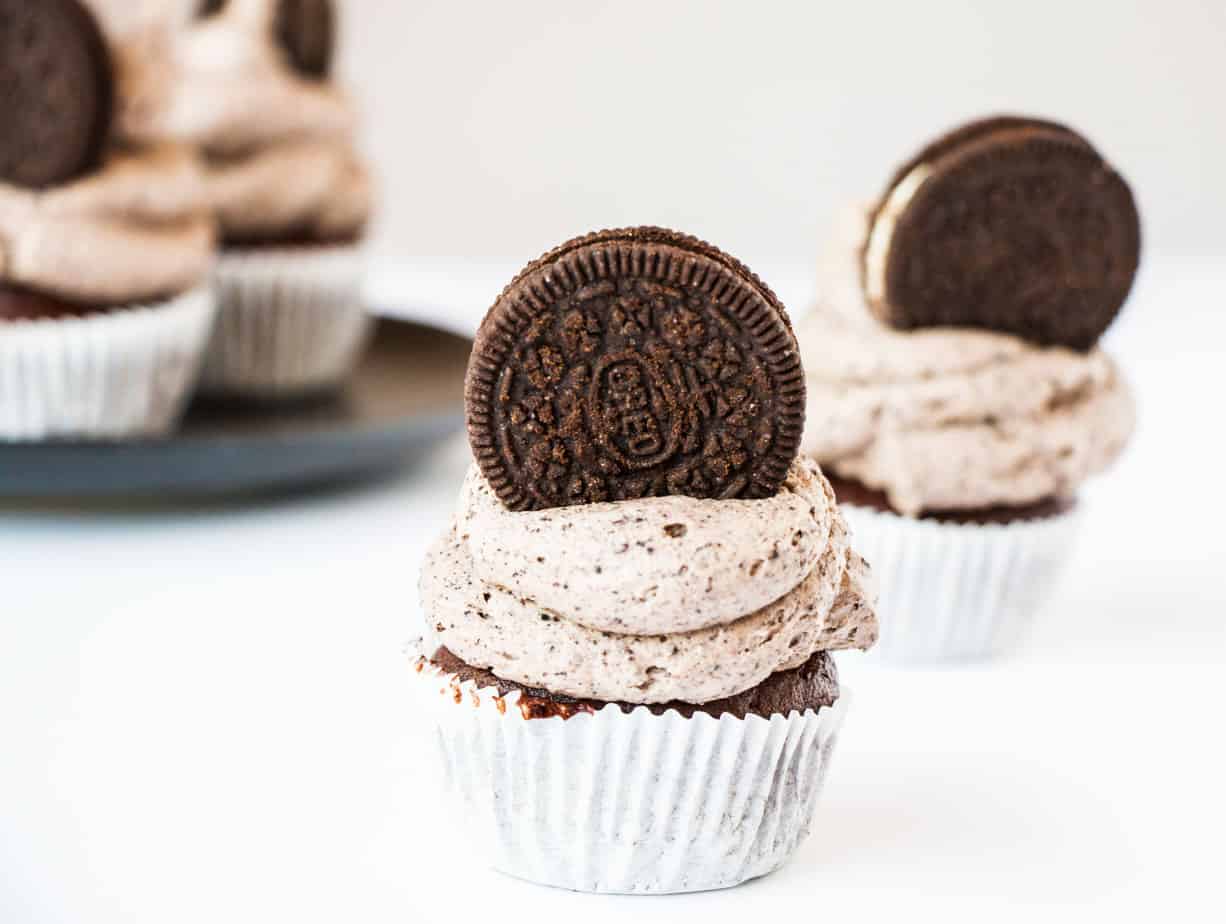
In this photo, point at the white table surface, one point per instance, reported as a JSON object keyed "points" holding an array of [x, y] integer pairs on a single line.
{"points": [[204, 709]]}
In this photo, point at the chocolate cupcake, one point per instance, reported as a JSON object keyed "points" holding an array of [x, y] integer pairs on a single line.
{"points": [[249, 81], [105, 245], [957, 432], [642, 582]]}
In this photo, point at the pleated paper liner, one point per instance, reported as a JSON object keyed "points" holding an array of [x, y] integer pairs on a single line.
{"points": [[111, 375], [628, 802], [290, 321], [959, 591]]}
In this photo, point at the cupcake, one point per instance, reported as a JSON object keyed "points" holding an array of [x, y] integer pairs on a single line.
{"points": [[249, 82], [956, 394], [105, 245], [629, 624]]}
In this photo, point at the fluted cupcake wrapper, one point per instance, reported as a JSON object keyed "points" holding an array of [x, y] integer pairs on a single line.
{"points": [[629, 802], [289, 321], [954, 591], [117, 374]]}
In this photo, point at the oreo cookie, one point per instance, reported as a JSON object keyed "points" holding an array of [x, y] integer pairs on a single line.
{"points": [[306, 31], [1011, 224], [634, 363], [56, 92]]}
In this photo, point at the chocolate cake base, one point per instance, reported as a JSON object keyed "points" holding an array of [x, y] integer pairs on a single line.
{"points": [[290, 240], [848, 491], [811, 686], [17, 304]]}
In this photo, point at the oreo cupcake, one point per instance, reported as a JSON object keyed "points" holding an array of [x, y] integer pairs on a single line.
{"points": [[105, 247], [957, 396], [629, 624], [249, 82]]}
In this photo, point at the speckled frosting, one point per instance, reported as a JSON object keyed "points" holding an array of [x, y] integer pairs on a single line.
{"points": [[281, 159], [648, 601], [950, 419]]}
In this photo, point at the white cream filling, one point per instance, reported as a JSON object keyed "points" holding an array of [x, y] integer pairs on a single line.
{"points": [[881, 235]]}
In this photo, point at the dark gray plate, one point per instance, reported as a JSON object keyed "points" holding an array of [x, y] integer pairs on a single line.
{"points": [[407, 394]]}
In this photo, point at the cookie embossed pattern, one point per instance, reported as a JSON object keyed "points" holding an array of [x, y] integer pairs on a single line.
{"points": [[634, 364], [642, 587]]}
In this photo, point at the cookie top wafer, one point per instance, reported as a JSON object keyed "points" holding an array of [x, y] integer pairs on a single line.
{"points": [[55, 92], [1011, 224], [634, 363]]}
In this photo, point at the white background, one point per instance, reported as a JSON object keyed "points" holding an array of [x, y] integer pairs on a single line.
{"points": [[501, 129], [204, 709]]}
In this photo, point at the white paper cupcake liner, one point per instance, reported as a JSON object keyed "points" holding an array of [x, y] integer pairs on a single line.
{"points": [[629, 802], [111, 375], [289, 321], [954, 591]]}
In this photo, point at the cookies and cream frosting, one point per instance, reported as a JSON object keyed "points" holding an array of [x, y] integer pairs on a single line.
{"points": [[139, 228], [281, 157], [945, 418], [651, 600]]}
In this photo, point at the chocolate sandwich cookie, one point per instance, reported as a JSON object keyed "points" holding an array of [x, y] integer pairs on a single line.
{"points": [[1011, 224], [56, 92], [813, 685], [306, 30], [634, 363]]}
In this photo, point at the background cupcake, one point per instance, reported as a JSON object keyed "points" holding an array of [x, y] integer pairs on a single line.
{"points": [[956, 394], [105, 245], [249, 82], [629, 623]]}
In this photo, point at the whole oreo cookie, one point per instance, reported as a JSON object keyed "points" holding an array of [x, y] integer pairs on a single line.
{"points": [[56, 92], [306, 30], [634, 363], [1011, 224]]}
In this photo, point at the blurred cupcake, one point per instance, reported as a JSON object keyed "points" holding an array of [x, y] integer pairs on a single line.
{"points": [[105, 247], [630, 621], [956, 395], [248, 81]]}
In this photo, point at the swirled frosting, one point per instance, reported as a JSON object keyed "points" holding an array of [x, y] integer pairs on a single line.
{"points": [[652, 600], [139, 228], [280, 155], [945, 418]]}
